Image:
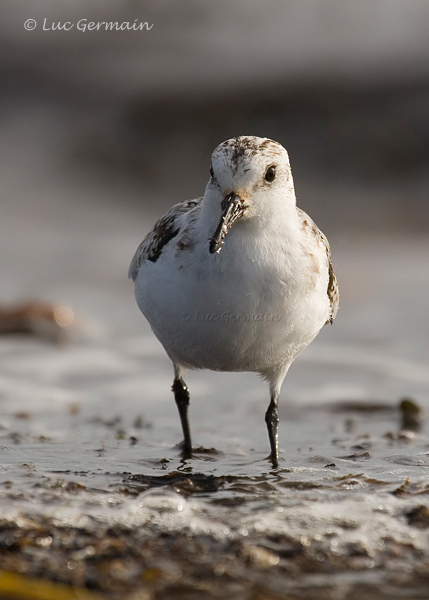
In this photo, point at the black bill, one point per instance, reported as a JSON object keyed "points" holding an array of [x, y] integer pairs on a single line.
{"points": [[232, 210]]}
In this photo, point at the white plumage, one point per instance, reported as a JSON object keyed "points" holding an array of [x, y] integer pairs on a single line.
{"points": [[240, 279]]}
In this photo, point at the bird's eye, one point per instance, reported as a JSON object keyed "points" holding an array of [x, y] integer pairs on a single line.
{"points": [[211, 172], [270, 174]]}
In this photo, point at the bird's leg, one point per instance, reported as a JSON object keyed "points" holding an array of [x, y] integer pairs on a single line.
{"points": [[272, 421], [181, 396]]}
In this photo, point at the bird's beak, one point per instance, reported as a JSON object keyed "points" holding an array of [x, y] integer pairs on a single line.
{"points": [[232, 210]]}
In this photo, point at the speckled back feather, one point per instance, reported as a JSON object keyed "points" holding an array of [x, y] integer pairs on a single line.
{"points": [[164, 230]]}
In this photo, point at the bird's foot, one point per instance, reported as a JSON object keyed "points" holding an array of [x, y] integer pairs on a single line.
{"points": [[274, 460], [185, 450], [189, 452]]}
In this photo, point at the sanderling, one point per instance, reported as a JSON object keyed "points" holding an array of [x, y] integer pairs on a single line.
{"points": [[238, 280]]}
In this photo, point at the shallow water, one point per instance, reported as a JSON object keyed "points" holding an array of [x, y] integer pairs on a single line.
{"points": [[104, 486]]}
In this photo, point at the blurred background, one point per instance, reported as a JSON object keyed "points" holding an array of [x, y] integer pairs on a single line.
{"points": [[102, 131]]}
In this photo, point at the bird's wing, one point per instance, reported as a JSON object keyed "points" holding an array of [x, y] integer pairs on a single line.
{"points": [[162, 232], [332, 290]]}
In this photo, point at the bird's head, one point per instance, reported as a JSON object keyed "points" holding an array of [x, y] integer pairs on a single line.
{"points": [[249, 177]]}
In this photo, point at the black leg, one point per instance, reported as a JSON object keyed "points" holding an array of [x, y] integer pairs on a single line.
{"points": [[181, 396], [272, 421]]}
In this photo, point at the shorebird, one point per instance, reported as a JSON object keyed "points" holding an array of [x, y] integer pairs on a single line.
{"points": [[239, 279]]}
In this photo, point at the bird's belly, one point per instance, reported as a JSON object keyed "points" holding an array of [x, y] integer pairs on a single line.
{"points": [[221, 325], [223, 340]]}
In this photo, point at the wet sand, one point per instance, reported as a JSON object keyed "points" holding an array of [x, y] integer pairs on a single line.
{"points": [[106, 504]]}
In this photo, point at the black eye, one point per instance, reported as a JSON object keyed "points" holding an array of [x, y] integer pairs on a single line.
{"points": [[270, 174], [211, 172]]}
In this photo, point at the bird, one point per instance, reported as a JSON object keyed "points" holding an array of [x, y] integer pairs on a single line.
{"points": [[240, 279]]}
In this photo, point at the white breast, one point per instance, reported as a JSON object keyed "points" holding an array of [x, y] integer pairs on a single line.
{"points": [[249, 308]]}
